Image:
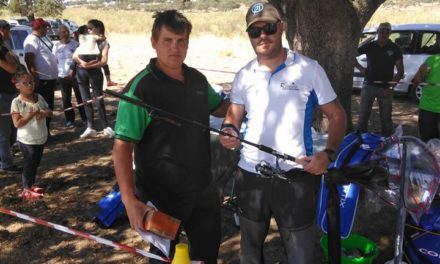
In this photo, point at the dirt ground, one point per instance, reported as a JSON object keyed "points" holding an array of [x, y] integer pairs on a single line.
{"points": [[76, 174]]}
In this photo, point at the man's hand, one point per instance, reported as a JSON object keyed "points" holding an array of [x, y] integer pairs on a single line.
{"points": [[229, 142], [136, 211], [316, 164]]}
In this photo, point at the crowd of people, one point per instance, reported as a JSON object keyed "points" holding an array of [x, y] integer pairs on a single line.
{"points": [[27, 91], [275, 94]]}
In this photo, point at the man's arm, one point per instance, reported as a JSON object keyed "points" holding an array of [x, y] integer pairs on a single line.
{"points": [[419, 77], [222, 109], [400, 70], [234, 117], [358, 66], [8, 63], [122, 160], [29, 58], [318, 163]]}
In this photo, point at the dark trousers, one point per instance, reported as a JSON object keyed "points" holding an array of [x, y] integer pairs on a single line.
{"points": [[293, 205], [47, 89], [385, 100], [93, 78], [32, 155], [200, 216], [429, 125], [67, 86], [5, 130]]}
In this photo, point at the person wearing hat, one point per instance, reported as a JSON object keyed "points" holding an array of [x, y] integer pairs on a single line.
{"points": [[8, 92], [41, 62], [278, 92], [382, 56]]}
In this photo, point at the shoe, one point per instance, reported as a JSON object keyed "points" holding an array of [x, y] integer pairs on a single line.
{"points": [[69, 124], [89, 132], [108, 131], [12, 168], [30, 195], [37, 189], [110, 83]]}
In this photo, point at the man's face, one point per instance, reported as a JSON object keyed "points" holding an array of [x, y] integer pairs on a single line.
{"points": [[171, 48], [5, 32], [63, 33], [384, 34], [266, 38]]}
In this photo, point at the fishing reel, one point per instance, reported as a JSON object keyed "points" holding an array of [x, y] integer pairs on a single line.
{"points": [[265, 170]]}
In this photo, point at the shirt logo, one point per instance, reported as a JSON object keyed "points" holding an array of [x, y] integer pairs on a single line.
{"points": [[199, 92], [257, 8], [289, 86], [390, 53]]}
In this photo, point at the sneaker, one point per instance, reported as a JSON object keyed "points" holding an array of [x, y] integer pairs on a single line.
{"points": [[110, 83], [37, 189], [89, 132], [108, 131], [30, 195], [69, 124], [12, 168]]}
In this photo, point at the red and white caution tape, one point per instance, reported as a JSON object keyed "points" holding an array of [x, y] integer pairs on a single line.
{"points": [[94, 99], [84, 235]]}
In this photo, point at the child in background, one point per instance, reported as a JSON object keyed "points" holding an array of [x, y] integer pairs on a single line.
{"points": [[88, 49], [29, 112]]}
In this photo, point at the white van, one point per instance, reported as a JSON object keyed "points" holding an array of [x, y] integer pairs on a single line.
{"points": [[417, 42]]}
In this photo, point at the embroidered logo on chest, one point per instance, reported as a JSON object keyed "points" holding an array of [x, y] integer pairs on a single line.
{"points": [[390, 53], [289, 86]]}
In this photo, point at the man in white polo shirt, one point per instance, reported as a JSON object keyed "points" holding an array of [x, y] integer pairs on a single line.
{"points": [[277, 92], [41, 62]]}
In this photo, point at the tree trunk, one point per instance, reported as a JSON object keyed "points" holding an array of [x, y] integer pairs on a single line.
{"points": [[328, 31]]}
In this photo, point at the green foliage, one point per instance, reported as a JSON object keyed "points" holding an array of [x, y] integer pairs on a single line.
{"points": [[31, 8]]}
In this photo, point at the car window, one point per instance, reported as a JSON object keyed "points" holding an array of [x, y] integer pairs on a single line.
{"points": [[405, 41], [18, 37], [430, 42]]}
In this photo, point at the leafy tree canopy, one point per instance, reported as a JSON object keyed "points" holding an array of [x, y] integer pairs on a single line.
{"points": [[32, 8]]}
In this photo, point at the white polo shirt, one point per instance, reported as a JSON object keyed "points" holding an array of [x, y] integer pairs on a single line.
{"points": [[279, 107]]}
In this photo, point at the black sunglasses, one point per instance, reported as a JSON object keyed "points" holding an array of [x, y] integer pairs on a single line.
{"points": [[269, 29]]}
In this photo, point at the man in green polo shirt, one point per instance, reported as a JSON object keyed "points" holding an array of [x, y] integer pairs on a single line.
{"points": [[172, 162], [429, 105]]}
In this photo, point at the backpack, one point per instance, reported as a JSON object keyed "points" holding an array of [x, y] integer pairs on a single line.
{"points": [[355, 149]]}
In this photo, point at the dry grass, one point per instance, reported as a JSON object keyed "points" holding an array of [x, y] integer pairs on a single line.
{"points": [[229, 23], [423, 13]]}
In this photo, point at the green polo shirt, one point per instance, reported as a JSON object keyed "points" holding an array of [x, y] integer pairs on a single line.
{"points": [[430, 100]]}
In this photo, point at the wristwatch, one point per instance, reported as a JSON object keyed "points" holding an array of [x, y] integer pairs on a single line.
{"points": [[331, 154]]}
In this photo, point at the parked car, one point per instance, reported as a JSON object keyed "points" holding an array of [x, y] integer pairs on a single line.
{"points": [[417, 42], [52, 33], [18, 35], [18, 21]]}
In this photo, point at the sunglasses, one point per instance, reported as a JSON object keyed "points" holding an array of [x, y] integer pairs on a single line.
{"points": [[25, 83], [269, 29]]}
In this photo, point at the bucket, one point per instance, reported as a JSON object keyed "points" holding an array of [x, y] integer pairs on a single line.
{"points": [[356, 249]]}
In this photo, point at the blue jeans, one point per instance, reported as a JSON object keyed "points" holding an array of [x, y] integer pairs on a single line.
{"points": [[385, 99], [5, 131]]}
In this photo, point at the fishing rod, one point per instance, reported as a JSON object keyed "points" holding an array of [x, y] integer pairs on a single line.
{"points": [[156, 112]]}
